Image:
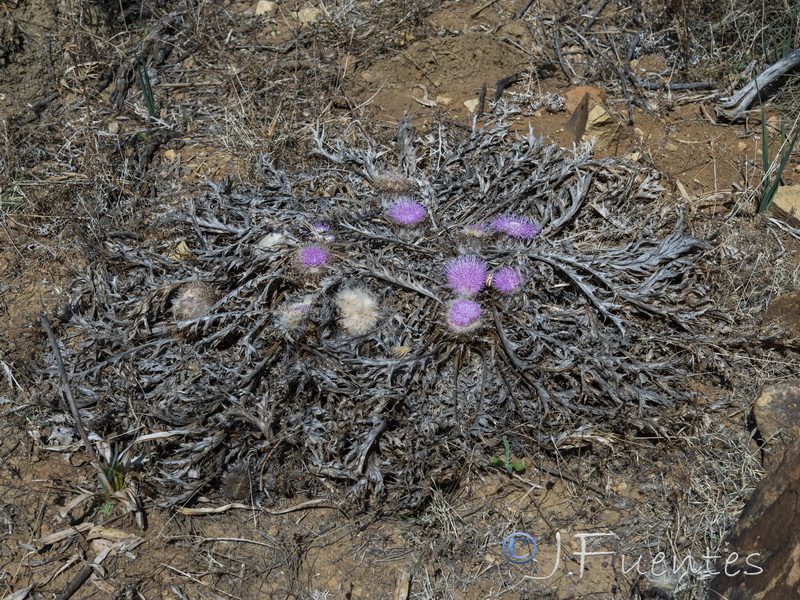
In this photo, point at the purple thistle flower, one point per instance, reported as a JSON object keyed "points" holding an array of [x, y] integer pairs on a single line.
{"points": [[464, 315], [466, 275], [406, 211], [506, 280], [300, 307], [323, 231], [313, 258], [516, 227]]}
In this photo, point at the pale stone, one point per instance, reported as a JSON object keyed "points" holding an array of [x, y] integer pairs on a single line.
{"points": [[266, 8], [574, 96], [670, 147], [608, 133], [444, 100], [597, 121], [170, 154], [309, 15], [777, 412], [774, 122], [786, 204], [472, 105], [113, 127]]}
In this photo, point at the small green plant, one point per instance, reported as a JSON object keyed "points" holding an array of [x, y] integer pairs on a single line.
{"points": [[107, 508], [11, 198], [772, 177], [115, 473], [506, 462], [147, 89]]}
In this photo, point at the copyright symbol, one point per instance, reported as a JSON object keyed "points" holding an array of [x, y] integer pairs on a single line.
{"points": [[510, 548]]}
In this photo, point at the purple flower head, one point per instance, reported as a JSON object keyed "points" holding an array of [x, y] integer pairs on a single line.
{"points": [[313, 258], [323, 231], [516, 227], [406, 211], [464, 315], [466, 275], [300, 307], [506, 280]]}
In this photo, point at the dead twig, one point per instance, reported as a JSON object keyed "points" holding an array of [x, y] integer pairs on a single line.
{"points": [[76, 415]]}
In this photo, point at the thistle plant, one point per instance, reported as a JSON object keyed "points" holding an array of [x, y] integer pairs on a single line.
{"points": [[313, 260], [506, 280], [392, 182], [408, 355], [464, 315], [406, 211], [193, 300], [466, 275], [358, 308], [516, 227]]}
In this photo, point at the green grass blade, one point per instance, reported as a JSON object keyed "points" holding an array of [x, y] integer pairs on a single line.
{"points": [[147, 89]]}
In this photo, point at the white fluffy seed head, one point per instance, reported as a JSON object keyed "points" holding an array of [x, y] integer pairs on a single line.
{"points": [[194, 300], [290, 315], [358, 309]]}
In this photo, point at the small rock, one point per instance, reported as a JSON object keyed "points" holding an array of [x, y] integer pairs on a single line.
{"points": [[605, 128], [741, 146], [633, 156], [774, 123], [113, 127], [670, 147], [598, 120], [170, 154], [766, 539], [514, 29], [786, 204], [444, 100], [784, 313], [574, 96], [472, 105], [266, 8], [777, 412], [309, 15]]}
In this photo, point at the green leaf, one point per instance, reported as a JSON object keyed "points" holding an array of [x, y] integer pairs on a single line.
{"points": [[518, 466]]}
